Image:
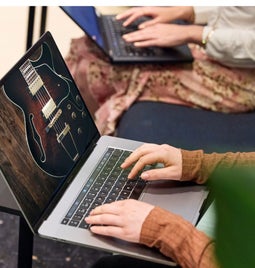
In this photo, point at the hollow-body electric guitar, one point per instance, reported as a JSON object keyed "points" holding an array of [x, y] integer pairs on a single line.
{"points": [[54, 114]]}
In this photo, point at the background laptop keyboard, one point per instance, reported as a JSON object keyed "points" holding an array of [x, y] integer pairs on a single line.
{"points": [[106, 184], [115, 29]]}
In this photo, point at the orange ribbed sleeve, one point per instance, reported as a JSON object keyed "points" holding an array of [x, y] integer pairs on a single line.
{"points": [[177, 239], [198, 166]]}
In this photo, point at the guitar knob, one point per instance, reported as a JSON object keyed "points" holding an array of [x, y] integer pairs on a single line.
{"points": [[73, 115], [69, 106], [78, 98], [79, 130], [83, 114]]}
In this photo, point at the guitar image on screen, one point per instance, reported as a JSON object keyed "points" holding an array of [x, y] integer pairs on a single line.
{"points": [[54, 114]]}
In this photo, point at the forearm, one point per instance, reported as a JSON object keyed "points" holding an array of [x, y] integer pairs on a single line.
{"points": [[194, 34], [177, 239], [198, 166]]}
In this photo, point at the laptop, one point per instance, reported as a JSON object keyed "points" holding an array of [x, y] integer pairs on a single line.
{"points": [[57, 165], [107, 33]]}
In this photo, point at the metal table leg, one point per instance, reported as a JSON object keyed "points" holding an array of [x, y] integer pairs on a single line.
{"points": [[25, 249]]}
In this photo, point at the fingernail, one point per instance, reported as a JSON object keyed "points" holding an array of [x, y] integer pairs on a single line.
{"points": [[145, 176], [91, 212]]}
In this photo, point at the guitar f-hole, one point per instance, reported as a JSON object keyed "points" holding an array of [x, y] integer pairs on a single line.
{"points": [[37, 138]]}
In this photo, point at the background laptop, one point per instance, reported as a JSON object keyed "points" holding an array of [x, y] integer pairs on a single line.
{"points": [[50, 149], [107, 33]]}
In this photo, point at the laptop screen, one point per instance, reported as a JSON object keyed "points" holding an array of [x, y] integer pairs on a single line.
{"points": [[45, 128], [87, 19]]}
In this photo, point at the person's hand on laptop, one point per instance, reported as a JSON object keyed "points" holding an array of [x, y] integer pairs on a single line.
{"points": [[157, 14], [158, 31], [149, 154], [124, 219], [165, 35], [121, 219]]}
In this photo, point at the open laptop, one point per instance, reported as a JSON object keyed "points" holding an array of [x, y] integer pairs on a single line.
{"points": [[107, 33], [55, 162]]}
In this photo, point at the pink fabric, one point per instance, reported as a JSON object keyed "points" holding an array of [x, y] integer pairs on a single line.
{"points": [[110, 89]]}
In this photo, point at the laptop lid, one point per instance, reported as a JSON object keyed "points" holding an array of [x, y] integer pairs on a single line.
{"points": [[87, 19], [45, 134], [96, 27]]}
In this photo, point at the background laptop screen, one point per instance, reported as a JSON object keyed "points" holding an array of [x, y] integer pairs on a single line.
{"points": [[86, 18], [45, 127]]}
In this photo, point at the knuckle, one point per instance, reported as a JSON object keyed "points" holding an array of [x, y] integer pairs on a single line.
{"points": [[164, 146], [142, 161]]}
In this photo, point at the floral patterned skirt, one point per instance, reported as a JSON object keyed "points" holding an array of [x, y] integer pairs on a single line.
{"points": [[110, 89]]}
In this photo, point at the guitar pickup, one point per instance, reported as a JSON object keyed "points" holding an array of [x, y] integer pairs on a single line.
{"points": [[54, 120], [49, 108], [35, 85], [61, 136]]}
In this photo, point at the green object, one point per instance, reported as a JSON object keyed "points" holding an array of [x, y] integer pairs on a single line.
{"points": [[207, 221], [234, 193]]}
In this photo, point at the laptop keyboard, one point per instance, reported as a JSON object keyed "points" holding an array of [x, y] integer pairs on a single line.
{"points": [[115, 29], [106, 184]]}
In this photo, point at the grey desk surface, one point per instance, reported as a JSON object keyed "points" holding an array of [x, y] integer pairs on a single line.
{"points": [[6, 199]]}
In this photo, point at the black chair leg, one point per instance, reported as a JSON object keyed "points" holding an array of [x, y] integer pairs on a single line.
{"points": [[25, 249]]}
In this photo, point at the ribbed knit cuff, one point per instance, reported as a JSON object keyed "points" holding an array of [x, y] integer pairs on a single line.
{"points": [[191, 164]]}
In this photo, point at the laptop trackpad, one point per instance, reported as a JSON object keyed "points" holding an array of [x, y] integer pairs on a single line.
{"points": [[182, 198]]}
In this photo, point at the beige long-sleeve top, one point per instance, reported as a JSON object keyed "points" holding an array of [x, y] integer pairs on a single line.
{"points": [[230, 31], [171, 234]]}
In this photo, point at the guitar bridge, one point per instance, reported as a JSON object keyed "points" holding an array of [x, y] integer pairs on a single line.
{"points": [[64, 132], [54, 120], [68, 143]]}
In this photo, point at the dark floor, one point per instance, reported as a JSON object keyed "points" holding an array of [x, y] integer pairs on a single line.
{"points": [[46, 254]]}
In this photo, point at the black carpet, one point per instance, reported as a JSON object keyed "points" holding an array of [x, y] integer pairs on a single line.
{"points": [[46, 253]]}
